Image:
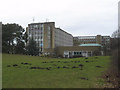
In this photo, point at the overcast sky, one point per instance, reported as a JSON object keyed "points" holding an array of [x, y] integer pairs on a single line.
{"points": [[78, 17]]}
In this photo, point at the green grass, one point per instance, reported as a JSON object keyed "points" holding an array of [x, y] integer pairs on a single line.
{"points": [[23, 77]]}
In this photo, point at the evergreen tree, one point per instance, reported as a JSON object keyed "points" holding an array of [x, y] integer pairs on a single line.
{"points": [[20, 47], [11, 33], [32, 48]]}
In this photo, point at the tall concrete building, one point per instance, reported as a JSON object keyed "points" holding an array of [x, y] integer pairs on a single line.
{"points": [[55, 41], [48, 37]]}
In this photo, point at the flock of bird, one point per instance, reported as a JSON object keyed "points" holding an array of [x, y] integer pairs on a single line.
{"points": [[55, 66]]}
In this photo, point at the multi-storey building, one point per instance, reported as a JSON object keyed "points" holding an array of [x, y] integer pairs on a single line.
{"points": [[48, 37], [103, 40], [84, 40], [55, 41]]}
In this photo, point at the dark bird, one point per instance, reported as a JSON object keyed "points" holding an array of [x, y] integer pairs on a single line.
{"points": [[65, 67], [25, 63], [58, 67], [74, 67], [33, 68], [22, 63], [48, 68], [14, 65], [81, 65]]}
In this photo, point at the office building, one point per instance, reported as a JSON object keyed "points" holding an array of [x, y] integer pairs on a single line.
{"points": [[103, 40], [57, 42], [48, 37]]}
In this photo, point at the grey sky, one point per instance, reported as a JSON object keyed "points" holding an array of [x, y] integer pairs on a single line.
{"points": [[78, 17]]}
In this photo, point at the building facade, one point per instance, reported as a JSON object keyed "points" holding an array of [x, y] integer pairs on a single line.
{"points": [[42, 34], [55, 41], [63, 38], [79, 51], [103, 40], [48, 37]]}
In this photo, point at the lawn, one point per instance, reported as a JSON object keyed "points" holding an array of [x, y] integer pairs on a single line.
{"points": [[20, 71]]}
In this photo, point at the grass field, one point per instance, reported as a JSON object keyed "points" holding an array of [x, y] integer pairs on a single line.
{"points": [[35, 72]]}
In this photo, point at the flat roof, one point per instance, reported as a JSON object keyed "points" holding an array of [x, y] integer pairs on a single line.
{"points": [[64, 31], [40, 23], [91, 44]]}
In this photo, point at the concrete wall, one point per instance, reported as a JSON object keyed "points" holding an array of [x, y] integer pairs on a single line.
{"points": [[98, 39], [63, 38], [49, 35]]}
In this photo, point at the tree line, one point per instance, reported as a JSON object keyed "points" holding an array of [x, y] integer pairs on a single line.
{"points": [[14, 40]]}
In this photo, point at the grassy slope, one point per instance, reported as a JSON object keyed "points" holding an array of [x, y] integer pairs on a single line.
{"points": [[23, 77]]}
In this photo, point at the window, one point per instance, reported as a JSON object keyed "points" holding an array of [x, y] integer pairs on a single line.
{"points": [[41, 45], [41, 42], [74, 53], [77, 53], [48, 27], [41, 37], [35, 26]]}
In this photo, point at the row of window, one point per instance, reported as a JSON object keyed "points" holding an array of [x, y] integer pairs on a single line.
{"points": [[35, 32], [36, 26], [39, 28]]}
